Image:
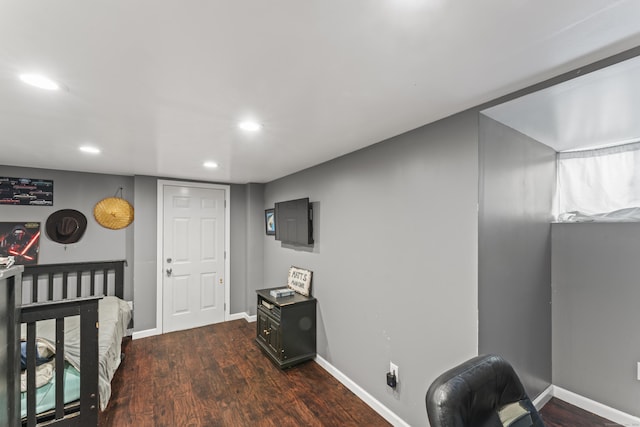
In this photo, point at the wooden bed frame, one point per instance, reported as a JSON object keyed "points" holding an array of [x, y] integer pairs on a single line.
{"points": [[84, 412]]}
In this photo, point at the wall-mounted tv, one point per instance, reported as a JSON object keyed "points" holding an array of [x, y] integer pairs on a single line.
{"points": [[294, 222]]}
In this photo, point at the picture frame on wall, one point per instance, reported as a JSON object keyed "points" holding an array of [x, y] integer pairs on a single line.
{"points": [[270, 222], [26, 191], [20, 240]]}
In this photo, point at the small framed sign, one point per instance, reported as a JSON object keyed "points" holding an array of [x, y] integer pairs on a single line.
{"points": [[300, 280], [270, 221]]}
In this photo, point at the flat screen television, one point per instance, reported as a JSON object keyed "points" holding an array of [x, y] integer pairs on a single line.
{"points": [[294, 222]]}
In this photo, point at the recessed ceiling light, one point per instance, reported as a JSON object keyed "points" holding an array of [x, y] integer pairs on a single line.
{"points": [[89, 149], [39, 81], [210, 165], [250, 126]]}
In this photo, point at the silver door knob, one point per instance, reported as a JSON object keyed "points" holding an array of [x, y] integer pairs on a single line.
{"points": [[169, 271]]}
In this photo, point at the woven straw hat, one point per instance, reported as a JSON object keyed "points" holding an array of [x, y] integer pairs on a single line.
{"points": [[113, 212]]}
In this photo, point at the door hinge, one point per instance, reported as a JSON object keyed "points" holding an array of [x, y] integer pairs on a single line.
{"points": [[225, 254], [225, 204]]}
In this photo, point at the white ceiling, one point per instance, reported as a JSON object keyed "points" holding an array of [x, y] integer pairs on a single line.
{"points": [[160, 86], [595, 110]]}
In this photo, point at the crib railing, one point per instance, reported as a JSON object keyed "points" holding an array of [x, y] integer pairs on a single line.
{"points": [[84, 413], [61, 277]]}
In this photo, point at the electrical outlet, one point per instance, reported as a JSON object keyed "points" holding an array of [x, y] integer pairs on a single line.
{"points": [[393, 368]]}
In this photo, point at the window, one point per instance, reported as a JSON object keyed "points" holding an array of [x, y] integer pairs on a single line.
{"points": [[603, 184]]}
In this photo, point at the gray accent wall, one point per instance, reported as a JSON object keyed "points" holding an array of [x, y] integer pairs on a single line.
{"points": [[395, 258], [238, 261], [247, 232], [146, 251], [596, 343], [254, 244], [145, 236], [138, 243], [80, 191], [517, 181]]}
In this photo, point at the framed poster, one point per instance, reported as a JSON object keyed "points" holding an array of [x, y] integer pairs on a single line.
{"points": [[270, 221], [20, 240], [26, 191]]}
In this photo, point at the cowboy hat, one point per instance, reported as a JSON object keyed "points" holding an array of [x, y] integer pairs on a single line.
{"points": [[66, 226]]}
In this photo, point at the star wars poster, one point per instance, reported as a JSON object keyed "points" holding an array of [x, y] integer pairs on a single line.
{"points": [[20, 240]]}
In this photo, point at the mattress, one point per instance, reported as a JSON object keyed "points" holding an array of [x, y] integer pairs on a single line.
{"points": [[46, 395], [114, 315]]}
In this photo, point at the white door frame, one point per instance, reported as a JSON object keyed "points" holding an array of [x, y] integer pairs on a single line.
{"points": [[160, 239]]}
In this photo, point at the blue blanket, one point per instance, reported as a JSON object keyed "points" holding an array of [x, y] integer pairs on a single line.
{"points": [[23, 356]]}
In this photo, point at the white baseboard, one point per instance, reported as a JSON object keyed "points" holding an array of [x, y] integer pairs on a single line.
{"points": [[236, 316], [151, 332], [243, 315], [543, 398], [374, 403], [144, 334], [597, 408]]}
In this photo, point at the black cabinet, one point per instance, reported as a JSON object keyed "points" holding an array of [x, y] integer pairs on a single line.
{"points": [[286, 327]]}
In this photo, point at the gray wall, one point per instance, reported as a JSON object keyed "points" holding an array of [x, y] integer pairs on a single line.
{"points": [[254, 244], [145, 236], [80, 191], [394, 260], [247, 232], [137, 243], [596, 343], [517, 180], [146, 251], [238, 261]]}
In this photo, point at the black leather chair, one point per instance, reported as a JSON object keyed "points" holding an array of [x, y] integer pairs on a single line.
{"points": [[482, 392]]}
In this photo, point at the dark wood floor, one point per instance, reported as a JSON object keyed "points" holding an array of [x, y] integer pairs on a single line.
{"points": [[557, 413], [217, 376]]}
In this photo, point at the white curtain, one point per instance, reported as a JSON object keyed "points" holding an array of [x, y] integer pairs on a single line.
{"points": [[599, 181]]}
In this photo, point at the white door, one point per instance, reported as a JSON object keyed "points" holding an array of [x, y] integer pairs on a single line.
{"points": [[193, 290]]}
